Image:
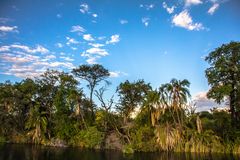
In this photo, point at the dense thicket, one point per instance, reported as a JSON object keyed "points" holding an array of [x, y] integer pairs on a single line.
{"points": [[52, 109]]}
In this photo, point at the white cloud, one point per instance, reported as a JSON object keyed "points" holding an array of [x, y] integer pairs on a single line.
{"points": [[97, 51], [96, 45], [92, 60], [192, 2], [147, 6], [115, 74], [145, 21], [78, 29], [114, 39], [184, 20], [170, 10], [203, 103], [84, 8], [94, 15], [62, 53], [8, 29], [37, 49], [88, 37], [20, 62], [213, 8], [5, 20], [74, 48], [101, 38], [66, 58], [123, 21], [12, 58], [4, 48], [50, 57], [59, 45], [71, 41]]}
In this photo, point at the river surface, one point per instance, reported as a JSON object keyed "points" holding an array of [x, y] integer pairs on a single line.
{"points": [[34, 152]]}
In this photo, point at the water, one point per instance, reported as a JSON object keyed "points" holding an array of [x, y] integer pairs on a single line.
{"points": [[34, 152]]}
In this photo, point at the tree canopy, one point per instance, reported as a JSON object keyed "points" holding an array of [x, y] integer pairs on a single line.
{"points": [[224, 77]]}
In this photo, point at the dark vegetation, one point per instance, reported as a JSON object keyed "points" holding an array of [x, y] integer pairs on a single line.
{"points": [[53, 110]]}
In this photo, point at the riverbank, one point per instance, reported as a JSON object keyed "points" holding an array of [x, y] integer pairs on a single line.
{"points": [[27, 151], [113, 142]]}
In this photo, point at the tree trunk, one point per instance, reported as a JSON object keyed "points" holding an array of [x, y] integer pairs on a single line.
{"points": [[91, 103], [232, 108]]}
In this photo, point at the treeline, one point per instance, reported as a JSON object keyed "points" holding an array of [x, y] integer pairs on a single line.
{"points": [[53, 109]]}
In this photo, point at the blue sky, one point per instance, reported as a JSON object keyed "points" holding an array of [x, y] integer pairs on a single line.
{"points": [[154, 40]]}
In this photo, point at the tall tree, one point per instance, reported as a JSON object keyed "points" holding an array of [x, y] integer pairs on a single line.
{"points": [[131, 96], [93, 74], [224, 77], [174, 95]]}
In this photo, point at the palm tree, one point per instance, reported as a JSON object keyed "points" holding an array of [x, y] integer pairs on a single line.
{"points": [[178, 95], [37, 124], [151, 105]]}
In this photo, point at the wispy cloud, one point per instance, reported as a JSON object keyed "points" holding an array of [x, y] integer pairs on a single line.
{"points": [[192, 2], [59, 45], [37, 49], [147, 6], [4, 20], [71, 41], [123, 21], [96, 45], [115, 74], [84, 8], [92, 60], [77, 29], [145, 21], [214, 7], [9, 29], [170, 10], [18, 60], [88, 37], [114, 39], [184, 20], [66, 58], [97, 51], [93, 54]]}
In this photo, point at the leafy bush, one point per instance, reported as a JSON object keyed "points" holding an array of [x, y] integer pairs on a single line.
{"points": [[89, 138], [2, 139], [143, 139]]}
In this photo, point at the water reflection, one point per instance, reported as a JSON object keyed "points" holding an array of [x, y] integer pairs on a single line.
{"points": [[34, 152]]}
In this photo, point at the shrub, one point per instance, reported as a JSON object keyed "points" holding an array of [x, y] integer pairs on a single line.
{"points": [[89, 138]]}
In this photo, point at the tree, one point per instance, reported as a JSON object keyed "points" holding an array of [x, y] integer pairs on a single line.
{"points": [[151, 104], [37, 124], [174, 95], [131, 96], [224, 77], [93, 74]]}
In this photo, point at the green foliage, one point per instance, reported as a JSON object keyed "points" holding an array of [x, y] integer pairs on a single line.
{"points": [[167, 137], [131, 95], [93, 74], [127, 149], [37, 124], [2, 139], [64, 127], [89, 138], [223, 77], [143, 139]]}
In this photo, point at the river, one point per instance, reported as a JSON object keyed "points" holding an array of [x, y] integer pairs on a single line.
{"points": [[35, 152]]}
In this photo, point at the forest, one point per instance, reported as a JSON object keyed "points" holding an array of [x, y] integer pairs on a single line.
{"points": [[54, 110]]}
